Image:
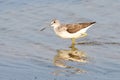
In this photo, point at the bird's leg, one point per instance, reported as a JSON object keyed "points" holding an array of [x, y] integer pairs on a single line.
{"points": [[73, 48], [73, 41], [73, 44], [84, 34]]}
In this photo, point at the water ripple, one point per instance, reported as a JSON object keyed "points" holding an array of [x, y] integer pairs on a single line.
{"points": [[99, 43]]}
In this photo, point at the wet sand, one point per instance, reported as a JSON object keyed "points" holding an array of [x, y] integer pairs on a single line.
{"points": [[26, 53]]}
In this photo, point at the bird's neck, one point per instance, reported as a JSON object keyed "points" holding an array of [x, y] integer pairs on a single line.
{"points": [[56, 26]]}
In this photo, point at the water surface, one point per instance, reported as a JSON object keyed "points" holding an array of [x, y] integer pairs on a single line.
{"points": [[27, 54]]}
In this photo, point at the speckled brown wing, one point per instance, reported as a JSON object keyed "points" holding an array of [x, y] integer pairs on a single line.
{"points": [[72, 28]]}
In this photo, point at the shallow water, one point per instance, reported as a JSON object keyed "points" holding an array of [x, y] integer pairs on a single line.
{"points": [[27, 54]]}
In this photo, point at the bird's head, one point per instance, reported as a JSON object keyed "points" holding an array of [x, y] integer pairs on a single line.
{"points": [[55, 23]]}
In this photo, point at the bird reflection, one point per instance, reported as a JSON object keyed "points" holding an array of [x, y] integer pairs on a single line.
{"points": [[63, 57]]}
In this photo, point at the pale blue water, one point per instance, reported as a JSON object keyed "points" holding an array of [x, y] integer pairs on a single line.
{"points": [[27, 54]]}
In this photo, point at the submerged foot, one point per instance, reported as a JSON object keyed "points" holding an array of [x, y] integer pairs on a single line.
{"points": [[73, 48]]}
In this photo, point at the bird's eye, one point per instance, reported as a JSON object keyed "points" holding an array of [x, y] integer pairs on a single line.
{"points": [[53, 22]]}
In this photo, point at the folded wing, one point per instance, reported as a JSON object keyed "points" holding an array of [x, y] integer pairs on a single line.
{"points": [[72, 28]]}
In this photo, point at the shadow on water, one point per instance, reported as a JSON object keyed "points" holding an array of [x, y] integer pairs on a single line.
{"points": [[64, 57], [99, 43]]}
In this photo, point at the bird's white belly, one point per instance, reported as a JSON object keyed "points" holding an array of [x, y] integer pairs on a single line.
{"points": [[65, 34]]}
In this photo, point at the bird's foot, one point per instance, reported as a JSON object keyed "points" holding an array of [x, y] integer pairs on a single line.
{"points": [[73, 48]]}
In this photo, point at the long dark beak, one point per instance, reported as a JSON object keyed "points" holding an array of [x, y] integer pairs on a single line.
{"points": [[44, 28]]}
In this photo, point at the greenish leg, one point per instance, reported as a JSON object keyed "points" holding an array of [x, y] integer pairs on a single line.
{"points": [[84, 34], [73, 41], [73, 44], [73, 48]]}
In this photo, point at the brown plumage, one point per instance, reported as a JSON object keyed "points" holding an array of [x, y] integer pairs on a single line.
{"points": [[72, 28]]}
